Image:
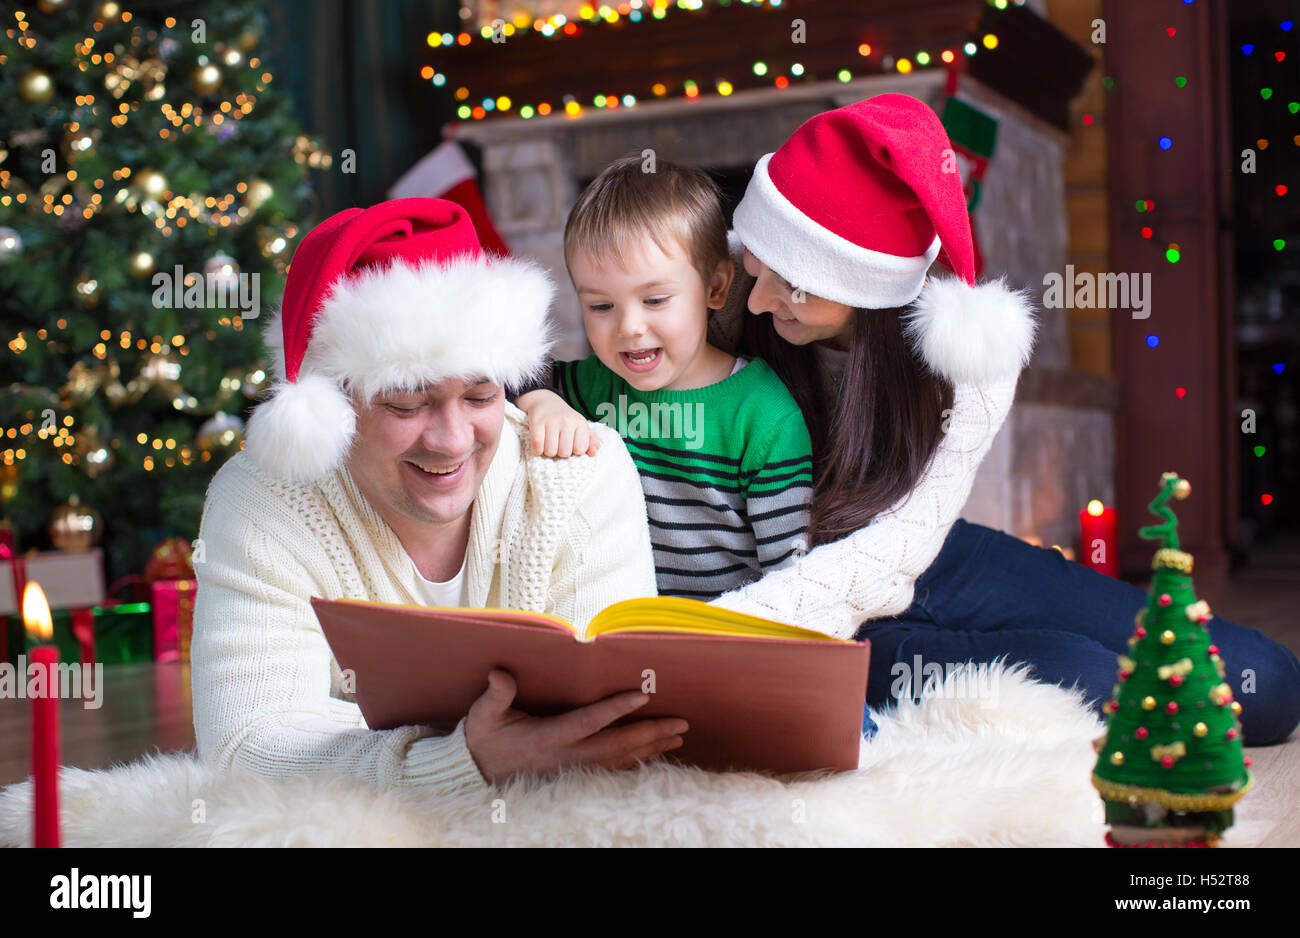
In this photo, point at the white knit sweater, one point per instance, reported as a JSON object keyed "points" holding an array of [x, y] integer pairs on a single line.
{"points": [[565, 537]]}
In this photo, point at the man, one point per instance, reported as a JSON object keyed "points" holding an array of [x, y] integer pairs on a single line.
{"points": [[387, 466]]}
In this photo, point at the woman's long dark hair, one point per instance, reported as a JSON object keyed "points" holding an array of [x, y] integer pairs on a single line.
{"points": [[872, 441]]}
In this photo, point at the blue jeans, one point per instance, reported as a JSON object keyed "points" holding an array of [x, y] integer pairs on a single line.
{"points": [[989, 595]]}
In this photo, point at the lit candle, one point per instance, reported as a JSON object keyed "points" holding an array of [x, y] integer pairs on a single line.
{"points": [[44, 660], [1097, 538]]}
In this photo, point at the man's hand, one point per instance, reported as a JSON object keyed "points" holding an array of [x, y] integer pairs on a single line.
{"points": [[504, 741], [555, 427]]}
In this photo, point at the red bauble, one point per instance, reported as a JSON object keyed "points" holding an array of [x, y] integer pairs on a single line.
{"points": [[1164, 600], [1171, 707], [1141, 732]]}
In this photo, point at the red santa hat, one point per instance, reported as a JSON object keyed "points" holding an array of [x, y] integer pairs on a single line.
{"points": [[386, 298], [856, 206]]}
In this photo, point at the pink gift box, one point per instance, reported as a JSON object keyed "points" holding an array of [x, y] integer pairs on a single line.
{"points": [[173, 618]]}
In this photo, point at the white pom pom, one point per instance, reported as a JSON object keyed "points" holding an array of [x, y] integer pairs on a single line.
{"points": [[303, 432], [972, 334]]}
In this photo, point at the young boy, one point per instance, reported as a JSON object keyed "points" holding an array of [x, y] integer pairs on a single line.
{"points": [[723, 453]]}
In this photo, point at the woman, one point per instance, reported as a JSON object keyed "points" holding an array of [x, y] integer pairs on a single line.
{"points": [[839, 227]]}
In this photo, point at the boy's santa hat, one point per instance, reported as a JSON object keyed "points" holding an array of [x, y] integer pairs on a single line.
{"points": [[386, 298], [856, 206]]}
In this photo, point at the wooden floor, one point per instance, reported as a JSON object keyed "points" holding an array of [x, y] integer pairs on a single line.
{"points": [[146, 707]]}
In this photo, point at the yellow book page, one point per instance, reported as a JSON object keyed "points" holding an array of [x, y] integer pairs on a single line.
{"points": [[488, 614], [689, 616]]}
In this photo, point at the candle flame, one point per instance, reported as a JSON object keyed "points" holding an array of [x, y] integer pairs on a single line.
{"points": [[1095, 508], [36, 613]]}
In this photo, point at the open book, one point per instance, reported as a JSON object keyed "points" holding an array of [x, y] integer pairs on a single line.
{"points": [[757, 694]]}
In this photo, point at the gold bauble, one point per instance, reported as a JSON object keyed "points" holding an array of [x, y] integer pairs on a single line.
{"points": [[206, 79], [75, 526], [1148, 703], [1200, 729], [94, 455], [259, 190], [151, 183], [1117, 758], [35, 86], [52, 6], [10, 476], [1167, 637], [142, 264], [1182, 488], [86, 290], [79, 144], [108, 11], [221, 432]]}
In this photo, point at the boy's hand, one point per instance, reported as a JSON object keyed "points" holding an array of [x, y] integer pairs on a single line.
{"points": [[556, 428]]}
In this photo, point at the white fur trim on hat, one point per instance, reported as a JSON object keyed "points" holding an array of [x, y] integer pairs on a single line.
{"points": [[398, 327], [972, 334], [816, 259]]}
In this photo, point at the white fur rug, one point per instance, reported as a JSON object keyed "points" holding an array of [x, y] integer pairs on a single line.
{"points": [[1010, 768]]}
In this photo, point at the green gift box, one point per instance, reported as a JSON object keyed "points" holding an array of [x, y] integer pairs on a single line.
{"points": [[123, 633]]}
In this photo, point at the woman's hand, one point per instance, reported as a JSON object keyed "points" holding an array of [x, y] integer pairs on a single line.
{"points": [[505, 741], [556, 428]]}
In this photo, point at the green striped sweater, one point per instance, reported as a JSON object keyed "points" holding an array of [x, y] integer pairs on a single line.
{"points": [[726, 470]]}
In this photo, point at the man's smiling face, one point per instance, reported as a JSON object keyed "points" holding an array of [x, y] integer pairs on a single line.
{"points": [[423, 455]]}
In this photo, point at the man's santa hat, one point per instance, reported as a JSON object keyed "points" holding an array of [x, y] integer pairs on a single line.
{"points": [[386, 298], [855, 207]]}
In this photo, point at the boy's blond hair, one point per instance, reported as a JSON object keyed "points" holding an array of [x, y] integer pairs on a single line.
{"points": [[675, 205]]}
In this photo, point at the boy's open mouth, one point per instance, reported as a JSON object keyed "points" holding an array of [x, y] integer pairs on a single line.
{"points": [[641, 360]]}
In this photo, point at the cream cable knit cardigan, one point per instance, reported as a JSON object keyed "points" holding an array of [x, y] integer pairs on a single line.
{"points": [[570, 537]]}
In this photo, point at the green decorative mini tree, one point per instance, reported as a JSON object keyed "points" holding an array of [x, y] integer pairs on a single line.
{"points": [[1170, 766]]}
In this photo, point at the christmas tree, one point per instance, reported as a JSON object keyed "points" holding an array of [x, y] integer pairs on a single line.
{"points": [[1170, 766], [152, 184]]}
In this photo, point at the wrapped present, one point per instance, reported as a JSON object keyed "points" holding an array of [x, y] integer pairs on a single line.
{"points": [[70, 581], [114, 633], [173, 619]]}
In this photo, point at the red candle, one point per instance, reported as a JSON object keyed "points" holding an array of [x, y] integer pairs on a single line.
{"points": [[1097, 539], [44, 660]]}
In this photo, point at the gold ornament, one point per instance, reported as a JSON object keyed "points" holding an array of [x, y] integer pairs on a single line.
{"points": [[1148, 703], [86, 290], [108, 11], [75, 527], [222, 432], [94, 455], [1117, 758], [141, 265], [259, 190], [1181, 667], [80, 144], [230, 57], [1127, 664], [1167, 637], [1221, 694], [35, 86], [206, 78], [82, 383], [1198, 611], [10, 477], [1182, 488], [162, 372], [52, 6], [151, 183], [1236, 707], [1200, 729]]}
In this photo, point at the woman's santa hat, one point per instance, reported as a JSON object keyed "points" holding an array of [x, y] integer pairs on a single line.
{"points": [[389, 298], [856, 206]]}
